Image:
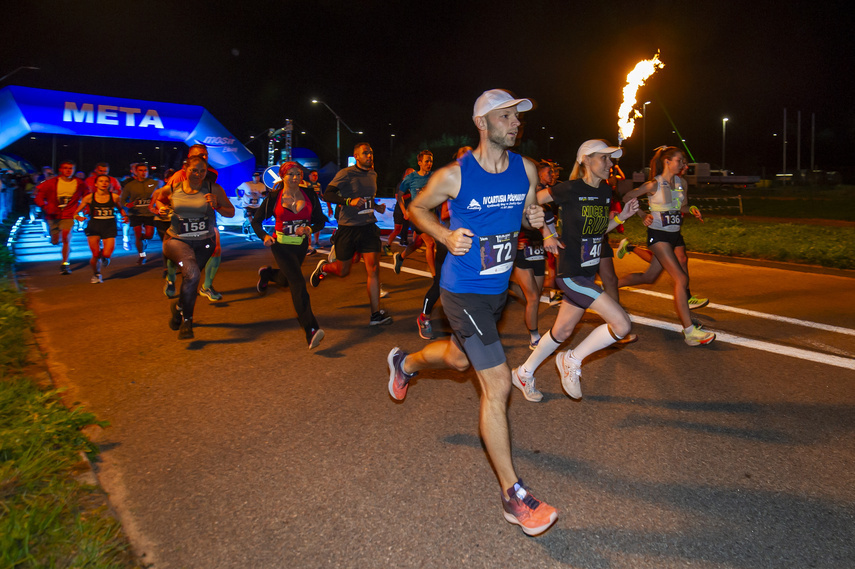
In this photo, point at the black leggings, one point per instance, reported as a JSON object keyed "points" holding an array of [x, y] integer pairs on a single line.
{"points": [[289, 259], [432, 295], [189, 256]]}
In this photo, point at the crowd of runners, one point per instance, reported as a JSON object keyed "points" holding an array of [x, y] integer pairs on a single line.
{"points": [[491, 221]]}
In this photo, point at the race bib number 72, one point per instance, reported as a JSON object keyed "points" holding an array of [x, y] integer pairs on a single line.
{"points": [[498, 252]]}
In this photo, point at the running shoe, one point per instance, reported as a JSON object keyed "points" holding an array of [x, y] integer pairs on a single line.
{"points": [[622, 248], [105, 261], [399, 380], [628, 339], [526, 385], [169, 289], [383, 292], [570, 373], [141, 259], [425, 328], [126, 246], [96, 279], [65, 269], [696, 322], [315, 336], [175, 320], [212, 294], [695, 302], [185, 331], [555, 297], [523, 509], [698, 337], [387, 250], [263, 279], [310, 251], [532, 344], [380, 317], [399, 261], [318, 274]]}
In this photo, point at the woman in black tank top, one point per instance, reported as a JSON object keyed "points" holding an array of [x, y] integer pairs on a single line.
{"points": [[101, 229]]}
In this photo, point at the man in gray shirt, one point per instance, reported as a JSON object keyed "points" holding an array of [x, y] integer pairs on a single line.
{"points": [[354, 189]]}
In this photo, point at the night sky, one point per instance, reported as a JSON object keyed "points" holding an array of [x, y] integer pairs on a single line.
{"points": [[415, 71]]}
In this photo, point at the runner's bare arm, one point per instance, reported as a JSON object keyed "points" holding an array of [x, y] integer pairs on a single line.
{"points": [[442, 186], [533, 216], [223, 205]]}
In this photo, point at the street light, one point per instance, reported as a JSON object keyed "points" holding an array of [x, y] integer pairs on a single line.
{"points": [[13, 72], [723, 135], [338, 123], [643, 133]]}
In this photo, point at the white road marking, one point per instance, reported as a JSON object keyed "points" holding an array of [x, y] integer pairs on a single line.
{"points": [[837, 361], [755, 314]]}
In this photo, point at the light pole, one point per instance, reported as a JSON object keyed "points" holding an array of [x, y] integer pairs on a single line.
{"points": [[338, 123], [643, 133], [723, 135], [13, 72]]}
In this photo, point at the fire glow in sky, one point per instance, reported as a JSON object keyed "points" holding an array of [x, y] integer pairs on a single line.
{"points": [[635, 79]]}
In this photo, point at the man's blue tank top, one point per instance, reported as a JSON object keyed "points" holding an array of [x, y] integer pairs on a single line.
{"points": [[490, 206]]}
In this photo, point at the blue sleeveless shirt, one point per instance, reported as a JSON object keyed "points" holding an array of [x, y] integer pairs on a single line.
{"points": [[490, 206]]}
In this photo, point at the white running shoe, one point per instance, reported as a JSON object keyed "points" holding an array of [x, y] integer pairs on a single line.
{"points": [[570, 373], [526, 385]]}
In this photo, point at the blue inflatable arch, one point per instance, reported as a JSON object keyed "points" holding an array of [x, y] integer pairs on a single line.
{"points": [[24, 110]]}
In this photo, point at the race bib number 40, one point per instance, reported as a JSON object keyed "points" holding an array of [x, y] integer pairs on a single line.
{"points": [[591, 249], [498, 252]]}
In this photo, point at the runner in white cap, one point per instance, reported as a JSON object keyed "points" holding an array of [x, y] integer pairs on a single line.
{"points": [[584, 201], [489, 191]]}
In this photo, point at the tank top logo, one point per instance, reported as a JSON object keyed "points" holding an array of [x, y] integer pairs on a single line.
{"points": [[503, 201]]}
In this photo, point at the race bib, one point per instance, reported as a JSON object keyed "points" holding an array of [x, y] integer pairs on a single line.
{"points": [[367, 207], [591, 249], [671, 218], [103, 212], [193, 226], [253, 201], [143, 202], [290, 227], [534, 253], [497, 252], [63, 200]]}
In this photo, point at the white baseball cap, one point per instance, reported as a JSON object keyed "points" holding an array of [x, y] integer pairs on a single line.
{"points": [[597, 146], [498, 99]]}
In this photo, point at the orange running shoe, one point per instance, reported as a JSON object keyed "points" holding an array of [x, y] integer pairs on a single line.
{"points": [[523, 509]]}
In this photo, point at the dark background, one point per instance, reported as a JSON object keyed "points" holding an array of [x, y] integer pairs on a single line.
{"points": [[415, 69]]}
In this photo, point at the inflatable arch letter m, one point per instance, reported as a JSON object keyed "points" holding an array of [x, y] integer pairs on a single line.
{"points": [[24, 110]]}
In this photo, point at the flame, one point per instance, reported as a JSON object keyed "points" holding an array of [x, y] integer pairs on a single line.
{"points": [[635, 79]]}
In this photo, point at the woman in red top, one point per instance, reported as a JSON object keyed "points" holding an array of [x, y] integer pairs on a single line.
{"points": [[297, 213]]}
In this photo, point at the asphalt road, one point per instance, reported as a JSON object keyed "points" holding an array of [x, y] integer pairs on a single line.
{"points": [[243, 449]]}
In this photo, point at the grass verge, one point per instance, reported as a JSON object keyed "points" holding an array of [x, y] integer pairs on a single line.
{"points": [[826, 246], [48, 518]]}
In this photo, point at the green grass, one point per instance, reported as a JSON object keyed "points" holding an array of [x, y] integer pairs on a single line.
{"points": [[826, 246], [47, 517]]}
